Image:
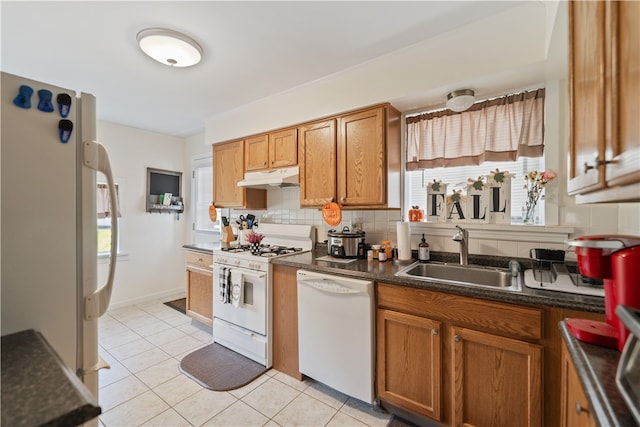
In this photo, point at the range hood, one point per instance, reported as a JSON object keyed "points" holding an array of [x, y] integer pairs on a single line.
{"points": [[283, 177]]}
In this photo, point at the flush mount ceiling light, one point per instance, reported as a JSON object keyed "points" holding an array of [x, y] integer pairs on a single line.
{"points": [[460, 100], [169, 47]]}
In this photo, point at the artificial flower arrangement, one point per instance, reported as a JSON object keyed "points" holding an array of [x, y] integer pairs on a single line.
{"points": [[254, 237], [535, 181]]}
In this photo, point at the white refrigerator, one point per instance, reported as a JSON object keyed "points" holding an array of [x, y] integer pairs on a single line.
{"points": [[49, 158]]}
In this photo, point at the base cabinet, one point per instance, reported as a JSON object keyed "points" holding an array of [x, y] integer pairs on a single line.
{"points": [[495, 380], [285, 321], [489, 373], [575, 410], [409, 369], [199, 280]]}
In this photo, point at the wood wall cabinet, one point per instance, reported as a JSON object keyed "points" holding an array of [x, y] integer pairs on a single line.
{"points": [[491, 372], [575, 410], [317, 157], [228, 169], [199, 280], [604, 85], [273, 150], [365, 157], [285, 321]]}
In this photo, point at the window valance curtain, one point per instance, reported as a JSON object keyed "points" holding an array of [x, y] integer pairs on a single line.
{"points": [[499, 129], [102, 201]]}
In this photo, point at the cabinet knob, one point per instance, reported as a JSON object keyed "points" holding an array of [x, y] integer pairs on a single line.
{"points": [[331, 199], [343, 199], [457, 338], [272, 161], [580, 409], [434, 331]]}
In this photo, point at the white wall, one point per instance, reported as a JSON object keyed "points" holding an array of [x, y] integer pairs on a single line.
{"points": [[152, 264]]}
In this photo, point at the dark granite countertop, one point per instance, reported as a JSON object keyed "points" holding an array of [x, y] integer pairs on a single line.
{"points": [[207, 247], [596, 367], [385, 271], [38, 388]]}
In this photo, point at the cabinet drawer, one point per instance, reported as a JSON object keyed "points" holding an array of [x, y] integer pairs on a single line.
{"points": [[500, 318], [198, 259]]}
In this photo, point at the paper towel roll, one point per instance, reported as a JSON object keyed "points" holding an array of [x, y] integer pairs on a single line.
{"points": [[404, 241]]}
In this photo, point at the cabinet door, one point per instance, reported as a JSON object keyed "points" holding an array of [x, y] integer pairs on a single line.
{"points": [[361, 163], [228, 160], [285, 321], [256, 152], [200, 294], [408, 362], [283, 148], [575, 408], [317, 161], [495, 380], [625, 167], [588, 82]]}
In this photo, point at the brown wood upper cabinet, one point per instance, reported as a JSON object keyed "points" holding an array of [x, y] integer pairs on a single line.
{"points": [[272, 150], [353, 160], [604, 85], [228, 169]]}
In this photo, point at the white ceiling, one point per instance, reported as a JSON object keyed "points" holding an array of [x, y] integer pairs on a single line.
{"points": [[251, 49]]}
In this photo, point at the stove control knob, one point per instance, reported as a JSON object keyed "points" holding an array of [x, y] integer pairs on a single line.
{"points": [[237, 262]]}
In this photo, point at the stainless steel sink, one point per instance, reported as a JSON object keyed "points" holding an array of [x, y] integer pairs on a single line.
{"points": [[471, 275]]}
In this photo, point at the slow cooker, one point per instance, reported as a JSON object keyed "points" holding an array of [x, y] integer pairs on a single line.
{"points": [[346, 243]]}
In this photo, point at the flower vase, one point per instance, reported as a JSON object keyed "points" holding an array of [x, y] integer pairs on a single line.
{"points": [[530, 214], [254, 248]]}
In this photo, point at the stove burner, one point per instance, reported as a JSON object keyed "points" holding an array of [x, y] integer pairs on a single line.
{"points": [[264, 250]]}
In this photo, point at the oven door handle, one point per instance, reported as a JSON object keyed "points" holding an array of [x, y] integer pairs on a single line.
{"points": [[256, 274]]}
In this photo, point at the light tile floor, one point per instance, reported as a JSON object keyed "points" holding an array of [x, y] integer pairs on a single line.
{"points": [[144, 344]]}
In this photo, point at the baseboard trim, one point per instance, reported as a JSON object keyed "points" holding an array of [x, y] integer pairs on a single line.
{"points": [[164, 295]]}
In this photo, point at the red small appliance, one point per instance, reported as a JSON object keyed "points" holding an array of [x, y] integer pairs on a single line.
{"points": [[616, 260]]}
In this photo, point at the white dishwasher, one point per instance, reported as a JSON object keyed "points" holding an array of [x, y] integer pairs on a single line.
{"points": [[336, 332]]}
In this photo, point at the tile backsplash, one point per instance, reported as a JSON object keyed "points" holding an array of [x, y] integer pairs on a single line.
{"points": [[511, 240]]}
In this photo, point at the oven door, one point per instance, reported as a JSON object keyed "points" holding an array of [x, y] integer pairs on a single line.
{"points": [[251, 312]]}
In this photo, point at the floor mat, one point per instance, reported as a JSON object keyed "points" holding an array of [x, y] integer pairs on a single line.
{"points": [[178, 304], [217, 368]]}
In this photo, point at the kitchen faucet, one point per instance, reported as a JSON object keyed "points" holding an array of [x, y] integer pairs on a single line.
{"points": [[462, 236]]}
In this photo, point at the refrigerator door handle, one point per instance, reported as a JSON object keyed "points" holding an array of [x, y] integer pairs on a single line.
{"points": [[95, 156]]}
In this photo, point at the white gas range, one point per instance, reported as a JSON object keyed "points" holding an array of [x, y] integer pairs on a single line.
{"points": [[243, 289]]}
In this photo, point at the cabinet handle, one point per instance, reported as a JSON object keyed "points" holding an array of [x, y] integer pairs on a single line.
{"points": [[272, 161], [332, 199], [343, 199], [457, 338], [434, 331], [580, 409], [596, 163], [264, 163]]}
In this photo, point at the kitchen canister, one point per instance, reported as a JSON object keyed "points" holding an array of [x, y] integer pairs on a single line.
{"points": [[404, 241]]}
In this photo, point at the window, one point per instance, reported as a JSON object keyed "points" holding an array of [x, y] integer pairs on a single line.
{"points": [[456, 177], [202, 194], [505, 133], [104, 213]]}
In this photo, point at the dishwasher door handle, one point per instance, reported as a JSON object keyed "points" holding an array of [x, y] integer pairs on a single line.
{"points": [[329, 286]]}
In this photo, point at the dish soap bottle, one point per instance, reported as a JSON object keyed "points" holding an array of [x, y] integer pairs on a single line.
{"points": [[423, 250]]}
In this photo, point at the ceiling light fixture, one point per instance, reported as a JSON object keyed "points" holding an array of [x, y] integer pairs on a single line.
{"points": [[169, 47], [460, 100]]}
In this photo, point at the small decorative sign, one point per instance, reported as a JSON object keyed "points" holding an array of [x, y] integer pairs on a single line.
{"points": [[478, 201], [456, 207], [436, 202], [500, 196]]}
